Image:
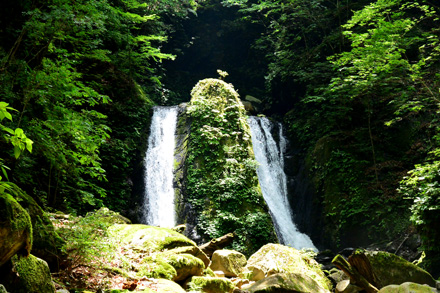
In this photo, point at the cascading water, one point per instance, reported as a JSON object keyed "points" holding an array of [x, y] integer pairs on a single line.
{"points": [[159, 209], [270, 157]]}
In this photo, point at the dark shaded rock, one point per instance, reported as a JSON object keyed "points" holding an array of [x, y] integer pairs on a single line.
{"points": [[15, 229], [382, 268], [47, 244], [27, 275]]}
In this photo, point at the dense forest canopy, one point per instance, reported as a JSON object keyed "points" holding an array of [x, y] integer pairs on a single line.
{"points": [[356, 83]]}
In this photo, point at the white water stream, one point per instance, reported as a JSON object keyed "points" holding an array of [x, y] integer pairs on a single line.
{"points": [[270, 157], [159, 209]]}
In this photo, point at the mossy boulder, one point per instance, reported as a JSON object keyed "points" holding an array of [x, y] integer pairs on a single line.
{"points": [[382, 268], [211, 285], [230, 262], [15, 229], [193, 250], [149, 237], [110, 217], [162, 252], [47, 244], [408, 287], [287, 282], [157, 267], [221, 183], [185, 265], [275, 258], [27, 275]]}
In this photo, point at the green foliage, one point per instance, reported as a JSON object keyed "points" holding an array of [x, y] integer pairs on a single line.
{"points": [[423, 189], [222, 183], [86, 241], [78, 71], [16, 137]]}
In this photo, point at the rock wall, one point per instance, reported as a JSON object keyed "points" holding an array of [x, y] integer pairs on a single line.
{"points": [[217, 189]]}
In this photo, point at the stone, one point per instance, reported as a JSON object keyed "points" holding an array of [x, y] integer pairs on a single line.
{"points": [[276, 258], [337, 276], [219, 274], [345, 286], [229, 261], [186, 265], [408, 287], [383, 268], [149, 237], [47, 244], [211, 285], [110, 216], [15, 229], [287, 282], [193, 250], [167, 286], [27, 274]]}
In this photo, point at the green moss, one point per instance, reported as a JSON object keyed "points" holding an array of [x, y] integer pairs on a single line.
{"points": [[47, 244], [156, 267], [392, 269], [211, 285], [148, 237], [33, 275], [283, 259], [222, 183], [15, 228]]}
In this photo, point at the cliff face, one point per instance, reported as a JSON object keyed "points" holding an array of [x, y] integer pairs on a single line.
{"points": [[217, 189]]}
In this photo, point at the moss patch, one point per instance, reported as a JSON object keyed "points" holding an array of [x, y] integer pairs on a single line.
{"points": [[275, 258], [211, 285], [221, 183], [32, 275], [15, 229], [148, 237]]}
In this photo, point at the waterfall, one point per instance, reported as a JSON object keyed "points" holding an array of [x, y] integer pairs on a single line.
{"points": [[270, 157], [159, 208]]}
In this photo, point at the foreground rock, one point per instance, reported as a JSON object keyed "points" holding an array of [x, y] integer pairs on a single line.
{"points": [[27, 274], [287, 282], [408, 287], [15, 229], [47, 244], [211, 285], [383, 268], [273, 259], [230, 262], [160, 252]]}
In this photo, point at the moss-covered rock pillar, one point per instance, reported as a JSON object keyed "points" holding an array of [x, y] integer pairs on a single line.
{"points": [[221, 182]]}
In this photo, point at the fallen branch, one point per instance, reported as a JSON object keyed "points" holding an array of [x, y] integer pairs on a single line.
{"points": [[216, 244]]}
